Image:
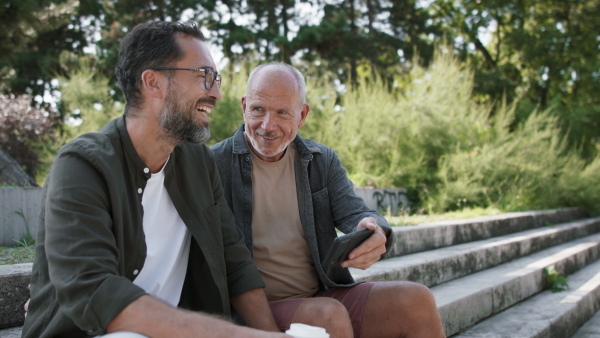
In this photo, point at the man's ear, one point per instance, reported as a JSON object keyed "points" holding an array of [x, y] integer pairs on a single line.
{"points": [[303, 115], [153, 83], [244, 106]]}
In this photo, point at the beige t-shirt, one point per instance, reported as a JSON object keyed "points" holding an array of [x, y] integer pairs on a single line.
{"points": [[281, 252]]}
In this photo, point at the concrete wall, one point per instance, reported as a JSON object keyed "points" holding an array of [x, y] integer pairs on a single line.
{"points": [[19, 210], [384, 200]]}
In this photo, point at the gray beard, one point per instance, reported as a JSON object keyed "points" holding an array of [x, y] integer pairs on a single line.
{"points": [[177, 126]]}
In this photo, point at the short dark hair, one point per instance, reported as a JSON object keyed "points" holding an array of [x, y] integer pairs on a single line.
{"points": [[149, 45]]}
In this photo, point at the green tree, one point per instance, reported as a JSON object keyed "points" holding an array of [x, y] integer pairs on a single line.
{"points": [[33, 33], [381, 36], [544, 53]]}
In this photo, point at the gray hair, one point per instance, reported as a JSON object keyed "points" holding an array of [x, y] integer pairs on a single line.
{"points": [[301, 83]]}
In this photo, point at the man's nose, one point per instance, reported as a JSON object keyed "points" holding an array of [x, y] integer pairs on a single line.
{"points": [[268, 122], [215, 92]]}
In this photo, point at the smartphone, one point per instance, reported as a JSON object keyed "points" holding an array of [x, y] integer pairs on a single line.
{"points": [[341, 247]]}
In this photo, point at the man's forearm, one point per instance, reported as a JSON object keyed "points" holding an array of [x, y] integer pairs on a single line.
{"points": [[252, 305], [153, 318]]}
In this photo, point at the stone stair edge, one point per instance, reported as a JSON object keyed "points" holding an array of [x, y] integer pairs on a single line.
{"points": [[460, 310], [434, 267], [546, 314], [428, 236], [14, 279], [11, 332], [589, 329]]}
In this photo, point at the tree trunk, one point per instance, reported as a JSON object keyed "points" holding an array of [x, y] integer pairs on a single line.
{"points": [[11, 172]]}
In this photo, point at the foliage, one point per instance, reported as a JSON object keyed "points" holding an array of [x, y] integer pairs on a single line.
{"points": [[227, 116], [17, 255], [433, 137], [28, 239], [412, 217], [543, 52], [86, 96], [395, 138], [33, 33], [555, 281], [25, 130], [325, 31], [512, 123]]}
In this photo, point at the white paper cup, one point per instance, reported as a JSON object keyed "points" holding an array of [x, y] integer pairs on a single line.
{"points": [[298, 330]]}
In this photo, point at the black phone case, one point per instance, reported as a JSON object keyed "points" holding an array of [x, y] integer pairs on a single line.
{"points": [[341, 247]]}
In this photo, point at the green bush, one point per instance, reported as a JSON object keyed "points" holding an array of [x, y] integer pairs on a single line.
{"points": [[425, 132], [431, 136]]}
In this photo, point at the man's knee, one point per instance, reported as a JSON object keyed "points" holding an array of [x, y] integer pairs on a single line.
{"points": [[421, 294], [403, 294], [325, 312], [325, 309]]}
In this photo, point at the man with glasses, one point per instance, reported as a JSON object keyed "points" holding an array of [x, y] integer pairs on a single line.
{"points": [[288, 195], [135, 227]]}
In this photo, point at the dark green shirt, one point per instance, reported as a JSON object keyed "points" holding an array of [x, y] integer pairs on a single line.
{"points": [[90, 242]]}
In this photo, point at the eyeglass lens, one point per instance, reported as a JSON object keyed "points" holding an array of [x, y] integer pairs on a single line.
{"points": [[210, 79]]}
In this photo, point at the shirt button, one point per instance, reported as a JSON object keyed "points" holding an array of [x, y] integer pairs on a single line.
{"points": [[146, 170], [139, 190], [135, 272]]}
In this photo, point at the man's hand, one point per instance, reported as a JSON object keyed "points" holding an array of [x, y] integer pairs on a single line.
{"points": [[252, 305], [151, 317], [26, 306], [369, 251]]}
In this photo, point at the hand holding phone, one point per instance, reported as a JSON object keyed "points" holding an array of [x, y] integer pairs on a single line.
{"points": [[341, 248]]}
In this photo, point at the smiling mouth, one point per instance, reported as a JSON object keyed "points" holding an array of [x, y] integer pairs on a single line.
{"points": [[204, 109], [268, 138]]}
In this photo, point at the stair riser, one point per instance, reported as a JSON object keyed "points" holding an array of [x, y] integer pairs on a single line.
{"points": [[443, 270], [568, 324], [428, 237], [467, 311]]}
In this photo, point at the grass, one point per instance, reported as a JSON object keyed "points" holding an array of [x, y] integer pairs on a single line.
{"points": [[16, 255], [420, 218]]}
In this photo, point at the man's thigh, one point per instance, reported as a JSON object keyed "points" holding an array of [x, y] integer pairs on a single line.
{"points": [[401, 308], [352, 298]]}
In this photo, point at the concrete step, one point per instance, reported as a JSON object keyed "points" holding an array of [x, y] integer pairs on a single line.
{"points": [[463, 302], [434, 267], [13, 332], [14, 279], [547, 314], [590, 329], [430, 236]]}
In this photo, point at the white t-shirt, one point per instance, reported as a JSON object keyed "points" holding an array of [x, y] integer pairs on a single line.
{"points": [[167, 242]]}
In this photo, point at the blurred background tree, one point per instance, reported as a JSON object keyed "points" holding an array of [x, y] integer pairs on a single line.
{"points": [[365, 59], [543, 53]]}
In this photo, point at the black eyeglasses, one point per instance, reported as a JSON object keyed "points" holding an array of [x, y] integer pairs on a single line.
{"points": [[210, 76]]}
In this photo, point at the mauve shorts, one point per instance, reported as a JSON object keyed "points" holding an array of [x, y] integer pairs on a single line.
{"points": [[353, 298]]}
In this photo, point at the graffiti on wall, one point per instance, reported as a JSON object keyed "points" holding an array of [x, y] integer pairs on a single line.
{"points": [[390, 199], [384, 200]]}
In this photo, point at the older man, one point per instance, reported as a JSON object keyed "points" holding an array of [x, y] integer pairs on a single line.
{"points": [[135, 222], [288, 195]]}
